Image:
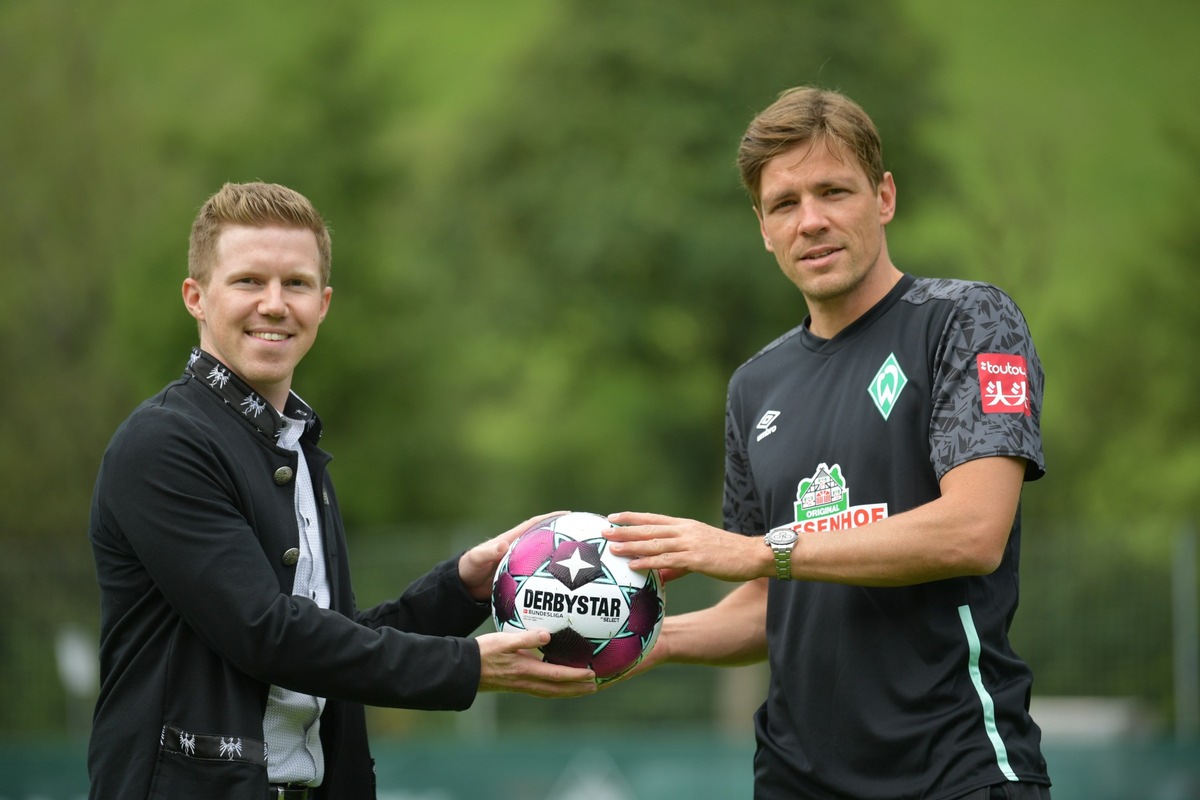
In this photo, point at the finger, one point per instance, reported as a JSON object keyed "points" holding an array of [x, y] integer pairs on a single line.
{"points": [[532, 639], [646, 548], [529, 669], [544, 689], [641, 518], [510, 642], [637, 533], [558, 673]]}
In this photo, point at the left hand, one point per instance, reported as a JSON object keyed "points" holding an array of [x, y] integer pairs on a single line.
{"points": [[477, 566], [677, 546]]}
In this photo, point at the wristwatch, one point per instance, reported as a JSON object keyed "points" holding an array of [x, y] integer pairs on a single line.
{"points": [[781, 540]]}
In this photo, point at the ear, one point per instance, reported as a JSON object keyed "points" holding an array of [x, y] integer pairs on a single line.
{"points": [[326, 296], [887, 199], [762, 229], [193, 293]]}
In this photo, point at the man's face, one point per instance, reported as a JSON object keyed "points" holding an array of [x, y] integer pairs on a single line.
{"points": [[262, 305], [823, 220]]}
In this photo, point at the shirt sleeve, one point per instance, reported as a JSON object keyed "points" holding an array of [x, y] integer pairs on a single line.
{"points": [[987, 385], [741, 508]]}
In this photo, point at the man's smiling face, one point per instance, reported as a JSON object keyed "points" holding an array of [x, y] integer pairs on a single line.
{"points": [[262, 304]]}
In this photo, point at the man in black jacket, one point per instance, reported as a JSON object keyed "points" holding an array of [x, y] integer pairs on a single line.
{"points": [[234, 663]]}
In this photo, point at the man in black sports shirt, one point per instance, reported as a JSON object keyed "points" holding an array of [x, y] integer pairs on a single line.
{"points": [[875, 456]]}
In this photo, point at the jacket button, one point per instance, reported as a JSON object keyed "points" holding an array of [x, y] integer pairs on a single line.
{"points": [[291, 556], [283, 475]]}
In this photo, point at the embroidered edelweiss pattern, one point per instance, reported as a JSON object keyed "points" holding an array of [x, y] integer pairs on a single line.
{"points": [[231, 748], [253, 405], [212, 747], [218, 377]]}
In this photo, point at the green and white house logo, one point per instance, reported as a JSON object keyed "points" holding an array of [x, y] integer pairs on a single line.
{"points": [[823, 503], [887, 384], [823, 494]]}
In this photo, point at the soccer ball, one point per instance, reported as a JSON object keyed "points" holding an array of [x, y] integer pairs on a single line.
{"points": [[560, 576]]}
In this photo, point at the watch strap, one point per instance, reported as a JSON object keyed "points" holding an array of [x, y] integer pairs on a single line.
{"points": [[781, 551], [783, 563]]}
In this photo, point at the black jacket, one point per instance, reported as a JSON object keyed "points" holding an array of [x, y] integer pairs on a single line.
{"points": [[192, 515]]}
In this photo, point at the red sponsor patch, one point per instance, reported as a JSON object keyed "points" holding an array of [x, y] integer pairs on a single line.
{"points": [[1003, 383]]}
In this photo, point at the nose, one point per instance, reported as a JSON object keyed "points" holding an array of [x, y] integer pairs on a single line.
{"points": [[271, 302], [811, 219]]}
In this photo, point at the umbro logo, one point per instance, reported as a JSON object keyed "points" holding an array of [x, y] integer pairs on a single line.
{"points": [[767, 424]]}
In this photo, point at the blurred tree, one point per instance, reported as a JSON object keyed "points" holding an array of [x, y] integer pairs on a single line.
{"points": [[544, 267], [112, 152], [597, 270], [64, 157], [1136, 454]]}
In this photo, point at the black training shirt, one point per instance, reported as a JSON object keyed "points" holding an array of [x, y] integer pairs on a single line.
{"points": [[888, 693]]}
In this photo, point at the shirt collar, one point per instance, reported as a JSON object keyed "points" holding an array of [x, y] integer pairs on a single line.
{"points": [[223, 382]]}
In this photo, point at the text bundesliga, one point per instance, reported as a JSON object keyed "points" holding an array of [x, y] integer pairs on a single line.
{"points": [[544, 600]]}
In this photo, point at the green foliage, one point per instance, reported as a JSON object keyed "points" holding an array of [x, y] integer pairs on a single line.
{"points": [[1075, 148], [598, 272], [544, 268]]}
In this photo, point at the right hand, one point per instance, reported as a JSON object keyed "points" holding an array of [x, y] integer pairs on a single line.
{"points": [[507, 665], [477, 566]]}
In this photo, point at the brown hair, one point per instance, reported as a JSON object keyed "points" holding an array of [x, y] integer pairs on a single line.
{"points": [[802, 114], [255, 204]]}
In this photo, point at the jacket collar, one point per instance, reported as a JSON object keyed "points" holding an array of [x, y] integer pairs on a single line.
{"points": [[224, 383]]}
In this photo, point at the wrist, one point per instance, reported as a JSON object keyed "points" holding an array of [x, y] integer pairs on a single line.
{"points": [[766, 565], [781, 544]]}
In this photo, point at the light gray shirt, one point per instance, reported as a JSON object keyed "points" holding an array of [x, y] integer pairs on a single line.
{"points": [[292, 723]]}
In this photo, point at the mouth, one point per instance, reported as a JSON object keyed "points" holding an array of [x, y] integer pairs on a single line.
{"points": [[269, 336], [819, 253]]}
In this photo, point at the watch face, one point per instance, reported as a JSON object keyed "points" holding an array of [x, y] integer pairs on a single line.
{"points": [[781, 536]]}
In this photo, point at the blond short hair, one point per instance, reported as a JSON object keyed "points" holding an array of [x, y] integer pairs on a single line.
{"points": [[254, 204]]}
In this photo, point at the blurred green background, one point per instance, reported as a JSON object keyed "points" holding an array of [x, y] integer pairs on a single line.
{"points": [[545, 271]]}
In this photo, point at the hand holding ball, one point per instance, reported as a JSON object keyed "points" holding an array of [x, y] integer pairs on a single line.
{"points": [[560, 576]]}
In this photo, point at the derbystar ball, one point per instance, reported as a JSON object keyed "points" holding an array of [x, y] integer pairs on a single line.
{"points": [[560, 576]]}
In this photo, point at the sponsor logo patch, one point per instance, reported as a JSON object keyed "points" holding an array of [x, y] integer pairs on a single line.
{"points": [[823, 504], [1003, 383]]}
